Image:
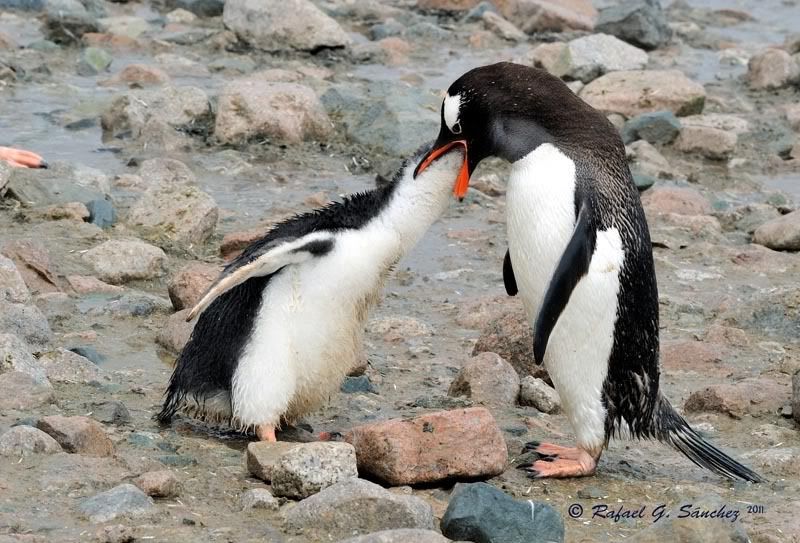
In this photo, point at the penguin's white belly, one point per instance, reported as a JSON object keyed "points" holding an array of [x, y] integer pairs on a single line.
{"points": [[541, 220], [309, 330]]}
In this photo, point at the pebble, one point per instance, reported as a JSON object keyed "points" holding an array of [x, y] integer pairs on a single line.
{"points": [[189, 284], [124, 499], [640, 22], [679, 200], [27, 322], [22, 392], [101, 213], [252, 107], [263, 456], [159, 484], [15, 356], [632, 93], [712, 135], [480, 512], [487, 379], [310, 467], [259, 498], [25, 440], [276, 25], [658, 128], [120, 261], [176, 332], [591, 56], [357, 384], [772, 69], [509, 335], [796, 396], [536, 393], [432, 447], [184, 214], [63, 366], [111, 412], [402, 535], [356, 507], [12, 287], [781, 233], [80, 435], [94, 60]]}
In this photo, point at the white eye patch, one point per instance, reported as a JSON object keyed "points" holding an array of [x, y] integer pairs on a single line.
{"points": [[452, 107]]}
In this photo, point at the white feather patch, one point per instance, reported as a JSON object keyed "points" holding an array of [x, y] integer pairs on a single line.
{"points": [[452, 110]]}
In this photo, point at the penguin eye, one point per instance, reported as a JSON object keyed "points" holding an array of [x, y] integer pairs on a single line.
{"points": [[456, 128]]}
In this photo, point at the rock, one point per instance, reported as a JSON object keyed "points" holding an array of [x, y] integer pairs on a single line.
{"points": [[181, 213], [658, 127], [14, 356], [79, 435], [752, 396], [176, 332], [640, 22], [509, 335], [796, 396], [159, 484], [713, 135], [781, 234], [310, 467], [645, 159], [394, 328], [431, 447], [22, 392], [63, 366], [357, 384], [33, 262], [402, 535], [89, 353], [262, 457], [201, 8], [111, 412], [94, 60], [536, 393], [67, 28], [133, 303], [25, 321], [632, 93], [124, 25], [101, 213], [120, 261], [181, 16], [386, 29], [121, 500], [548, 15], [189, 284], [792, 112], [690, 355], [139, 75], [502, 28], [251, 107], [275, 25], [680, 528], [487, 379], [591, 56], [87, 284], [643, 181], [355, 507], [259, 498], [166, 171], [12, 287], [447, 5], [233, 243], [72, 211], [480, 512], [26, 440], [680, 200], [772, 69]]}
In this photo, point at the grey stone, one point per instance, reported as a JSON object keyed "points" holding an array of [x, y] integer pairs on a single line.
{"points": [[101, 212], [119, 261], [358, 384], [94, 60], [20, 391], [159, 484], [65, 28], [310, 467], [695, 530], [124, 25], [640, 22], [643, 181], [535, 392], [89, 352], [12, 286], [110, 412], [476, 13], [15, 356], [481, 513], [357, 507], [23, 5], [796, 396], [259, 498], [425, 29], [63, 366], [132, 303], [275, 25], [61, 183], [780, 234], [503, 28], [386, 29], [488, 379], [25, 321], [658, 127], [592, 56], [402, 535], [201, 8], [123, 500], [181, 213], [25, 440]]}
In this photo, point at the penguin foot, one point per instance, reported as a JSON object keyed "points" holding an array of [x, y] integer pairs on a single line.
{"points": [[266, 432], [21, 159], [556, 461]]}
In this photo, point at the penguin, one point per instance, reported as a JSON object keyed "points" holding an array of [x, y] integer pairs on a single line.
{"points": [[283, 323], [21, 159], [579, 255]]}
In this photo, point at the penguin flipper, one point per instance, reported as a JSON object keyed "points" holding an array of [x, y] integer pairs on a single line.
{"points": [[508, 276], [266, 261], [572, 266]]}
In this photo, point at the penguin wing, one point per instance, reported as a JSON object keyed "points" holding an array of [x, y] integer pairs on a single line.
{"points": [[572, 266], [265, 261], [508, 276]]}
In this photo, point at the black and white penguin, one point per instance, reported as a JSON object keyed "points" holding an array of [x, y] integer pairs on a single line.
{"points": [[580, 258], [283, 323], [21, 159]]}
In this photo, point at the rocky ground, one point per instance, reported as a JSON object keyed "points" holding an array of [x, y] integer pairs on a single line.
{"points": [[177, 131]]}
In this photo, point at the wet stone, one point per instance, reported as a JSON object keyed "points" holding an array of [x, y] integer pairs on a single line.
{"points": [[480, 512], [309, 467], [536, 393], [15, 356], [658, 127], [189, 284], [640, 22], [679, 200], [88, 352], [159, 484], [63, 366], [509, 335], [101, 213], [432, 447], [262, 457], [533, 16], [21, 391], [591, 56], [12, 287], [120, 261], [772, 69], [201, 8], [25, 440], [357, 384], [26, 322], [259, 498], [356, 507], [781, 234], [487, 379], [182, 213], [123, 500], [110, 412], [80, 435], [176, 332], [93, 60]]}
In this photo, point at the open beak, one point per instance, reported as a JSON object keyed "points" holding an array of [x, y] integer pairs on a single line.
{"points": [[462, 181]]}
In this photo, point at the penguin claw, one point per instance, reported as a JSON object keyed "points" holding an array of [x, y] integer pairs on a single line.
{"points": [[530, 446]]}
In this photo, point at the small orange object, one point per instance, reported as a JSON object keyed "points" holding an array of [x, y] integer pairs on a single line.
{"points": [[21, 159]]}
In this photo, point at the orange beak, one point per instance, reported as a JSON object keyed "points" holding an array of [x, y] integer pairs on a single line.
{"points": [[462, 181]]}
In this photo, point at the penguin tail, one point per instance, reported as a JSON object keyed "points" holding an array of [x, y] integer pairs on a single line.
{"points": [[673, 429]]}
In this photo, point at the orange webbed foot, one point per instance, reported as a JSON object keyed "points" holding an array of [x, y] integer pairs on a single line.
{"points": [[21, 159]]}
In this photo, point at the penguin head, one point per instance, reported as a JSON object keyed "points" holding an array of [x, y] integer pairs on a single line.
{"points": [[507, 110]]}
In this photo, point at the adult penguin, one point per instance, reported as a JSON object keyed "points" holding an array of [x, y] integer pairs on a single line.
{"points": [[580, 258]]}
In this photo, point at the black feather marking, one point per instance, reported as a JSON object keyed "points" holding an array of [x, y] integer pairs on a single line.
{"points": [[572, 266], [508, 276], [319, 247]]}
